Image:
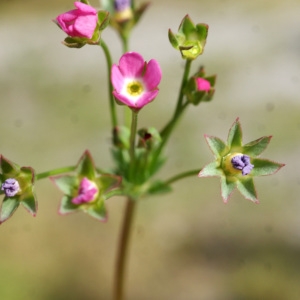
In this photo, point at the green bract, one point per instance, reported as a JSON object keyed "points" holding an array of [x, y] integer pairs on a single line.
{"points": [[69, 185], [190, 39], [232, 178], [25, 177]]}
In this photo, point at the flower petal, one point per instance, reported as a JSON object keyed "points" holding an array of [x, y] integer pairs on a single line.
{"points": [[84, 8], [131, 64], [152, 75], [117, 78], [85, 26]]}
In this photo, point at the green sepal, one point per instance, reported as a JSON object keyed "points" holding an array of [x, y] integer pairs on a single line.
{"points": [[107, 182], [8, 167], [86, 167], [66, 205], [8, 207], [74, 42], [190, 39], [210, 170], [217, 146], [30, 204], [66, 183], [97, 211], [228, 184], [247, 189], [103, 20], [85, 2], [138, 13], [256, 147], [235, 135], [264, 167]]}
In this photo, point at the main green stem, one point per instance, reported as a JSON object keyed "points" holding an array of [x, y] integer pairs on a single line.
{"points": [[112, 103], [122, 253]]}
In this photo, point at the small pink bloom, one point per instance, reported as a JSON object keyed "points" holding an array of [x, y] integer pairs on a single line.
{"points": [[87, 192], [135, 81], [80, 22], [202, 84]]}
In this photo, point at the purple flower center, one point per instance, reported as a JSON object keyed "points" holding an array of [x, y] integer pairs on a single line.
{"points": [[87, 192], [10, 187], [242, 162], [121, 5]]}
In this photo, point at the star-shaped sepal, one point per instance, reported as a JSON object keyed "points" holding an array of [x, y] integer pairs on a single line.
{"points": [[236, 164], [86, 190], [17, 184]]}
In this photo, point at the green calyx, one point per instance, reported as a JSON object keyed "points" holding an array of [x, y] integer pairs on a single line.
{"points": [[223, 167], [190, 39]]}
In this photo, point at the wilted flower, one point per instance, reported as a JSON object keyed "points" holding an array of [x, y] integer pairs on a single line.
{"points": [[87, 192], [135, 81], [10, 187], [236, 164]]}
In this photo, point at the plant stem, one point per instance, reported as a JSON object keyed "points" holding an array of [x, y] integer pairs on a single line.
{"points": [[112, 103], [54, 172], [123, 249], [134, 118], [181, 176]]}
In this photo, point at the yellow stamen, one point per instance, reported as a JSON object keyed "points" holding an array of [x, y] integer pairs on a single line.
{"points": [[135, 88]]}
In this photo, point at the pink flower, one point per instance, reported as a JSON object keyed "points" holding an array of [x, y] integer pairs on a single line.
{"points": [[135, 81], [202, 84], [80, 22], [87, 192]]}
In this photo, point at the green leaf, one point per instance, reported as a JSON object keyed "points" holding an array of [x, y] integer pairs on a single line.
{"points": [[227, 187], [247, 189], [9, 206], [256, 147], [217, 146], [263, 167], [235, 135]]}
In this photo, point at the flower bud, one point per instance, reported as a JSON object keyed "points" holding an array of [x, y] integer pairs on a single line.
{"points": [[10, 187]]}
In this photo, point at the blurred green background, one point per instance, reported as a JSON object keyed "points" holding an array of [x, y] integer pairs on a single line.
{"points": [[186, 245]]}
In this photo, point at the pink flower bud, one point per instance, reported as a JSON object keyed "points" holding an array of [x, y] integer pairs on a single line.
{"points": [[87, 192], [202, 84], [80, 22]]}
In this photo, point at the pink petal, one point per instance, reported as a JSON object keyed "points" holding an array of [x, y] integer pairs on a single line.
{"points": [[131, 64], [117, 78], [85, 25], [203, 84], [84, 8], [152, 75]]}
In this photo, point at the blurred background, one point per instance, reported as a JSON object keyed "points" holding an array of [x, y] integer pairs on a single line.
{"points": [[186, 245]]}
